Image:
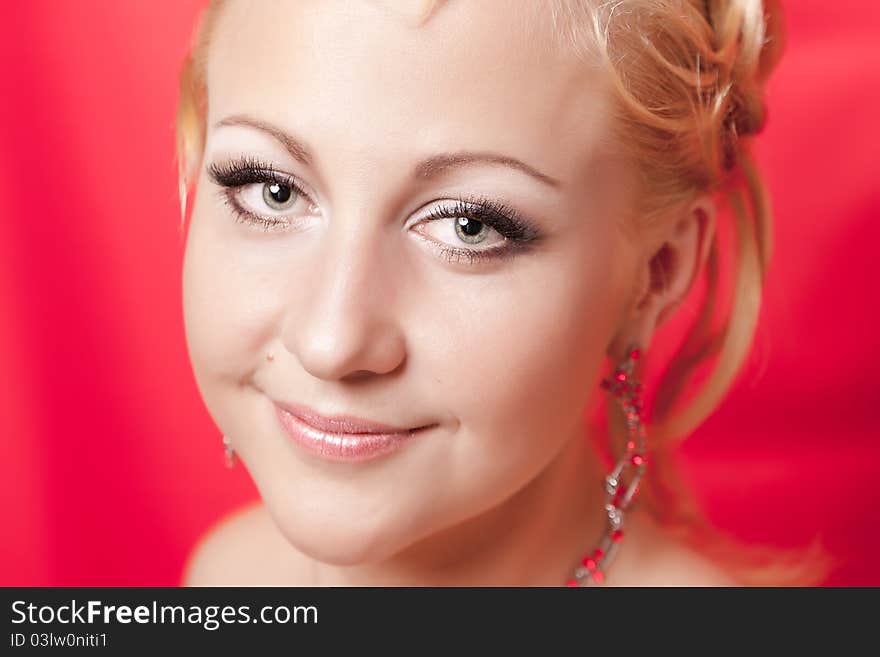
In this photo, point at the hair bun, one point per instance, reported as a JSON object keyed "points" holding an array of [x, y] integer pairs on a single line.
{"points": [[749, 40]]}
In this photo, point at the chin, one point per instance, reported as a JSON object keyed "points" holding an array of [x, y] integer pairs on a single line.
{"points": [[345, 543]]}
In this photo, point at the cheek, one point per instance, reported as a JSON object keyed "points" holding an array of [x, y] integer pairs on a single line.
{"points": [[230, 304], [522, 353]]}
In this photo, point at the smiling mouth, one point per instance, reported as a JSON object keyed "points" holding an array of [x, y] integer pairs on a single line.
{"points": [[342, 424], [344, 446]]}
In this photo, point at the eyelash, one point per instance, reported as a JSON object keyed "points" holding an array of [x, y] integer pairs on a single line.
{"points": [[520, 233], [238, 173]]}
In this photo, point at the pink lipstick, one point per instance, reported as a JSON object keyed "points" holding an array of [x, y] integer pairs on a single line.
{"points": [[342, 437]]}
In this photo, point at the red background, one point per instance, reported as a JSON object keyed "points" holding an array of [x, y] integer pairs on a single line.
{"points": [[111, 467]]}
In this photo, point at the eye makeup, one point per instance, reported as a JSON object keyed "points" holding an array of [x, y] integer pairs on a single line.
{"points": [[519, 233], [236, 174]]}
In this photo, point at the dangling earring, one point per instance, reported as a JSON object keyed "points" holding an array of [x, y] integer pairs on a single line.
{"points": [[229, 452], [618, 495]]}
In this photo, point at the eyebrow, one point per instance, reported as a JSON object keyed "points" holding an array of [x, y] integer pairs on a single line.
{"points": [[428, 168]]}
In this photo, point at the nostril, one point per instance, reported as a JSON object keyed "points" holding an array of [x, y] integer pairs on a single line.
{"points": [[358, 375]]}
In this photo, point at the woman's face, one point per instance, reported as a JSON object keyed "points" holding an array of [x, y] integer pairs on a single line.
{"points": [[358, 296]]}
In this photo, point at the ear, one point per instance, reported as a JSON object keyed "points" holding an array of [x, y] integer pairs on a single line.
{"points": [[665, 276]]}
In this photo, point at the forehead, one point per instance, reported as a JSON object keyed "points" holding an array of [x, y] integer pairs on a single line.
{"points": [[484, 74]]}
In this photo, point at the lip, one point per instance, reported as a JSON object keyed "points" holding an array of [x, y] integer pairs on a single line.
{"points": [[340, 423], [342, 437]]}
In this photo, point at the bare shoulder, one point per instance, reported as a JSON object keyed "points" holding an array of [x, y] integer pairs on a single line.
{"points": [[654, 557], [683, 566], [225, 555]]}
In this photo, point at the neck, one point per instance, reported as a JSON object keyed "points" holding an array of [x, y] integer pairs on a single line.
{"points": [[534, 538]]}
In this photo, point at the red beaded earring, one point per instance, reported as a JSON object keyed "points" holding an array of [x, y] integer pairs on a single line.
{"points": [[619, 494]]}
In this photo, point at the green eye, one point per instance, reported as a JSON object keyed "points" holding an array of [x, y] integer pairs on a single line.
{"points": [[470, 231], [278, 196]]}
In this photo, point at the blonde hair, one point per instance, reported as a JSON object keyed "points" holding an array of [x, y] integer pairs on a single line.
{"points": [[688, 83]]}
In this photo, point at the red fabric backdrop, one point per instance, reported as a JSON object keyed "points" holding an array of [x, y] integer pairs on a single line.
{"points": [[110, 466]]}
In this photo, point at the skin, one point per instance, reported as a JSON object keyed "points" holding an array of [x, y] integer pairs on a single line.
{"points": [[350, 310]]}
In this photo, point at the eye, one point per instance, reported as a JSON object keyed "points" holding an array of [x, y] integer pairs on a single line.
{"points": [[463, 230], [258, 194], [498, 229], [270, 197], [278, 196]]}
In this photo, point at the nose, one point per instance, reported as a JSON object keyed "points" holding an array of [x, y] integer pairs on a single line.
{"points": [[347, 328]]}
